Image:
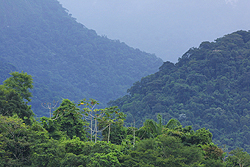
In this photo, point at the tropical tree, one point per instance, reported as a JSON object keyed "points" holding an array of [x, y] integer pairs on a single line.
{"points": [[67, 120], [21, 83], [173, 123], [106, 116], [15, 145], [151, 128], [112, 115], [162, 151], [12, 95], [239, 158], [116, 132]]}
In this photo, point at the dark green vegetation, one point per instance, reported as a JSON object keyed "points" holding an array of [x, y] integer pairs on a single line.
{"points": [[66, 59], [208, 87], [63, 140]]}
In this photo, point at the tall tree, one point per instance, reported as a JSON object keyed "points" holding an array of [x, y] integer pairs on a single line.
{"points": [[107, 116], [238, 158], [67, 119], [15, 146], [13, 94], [11, 104], [21, 83]]}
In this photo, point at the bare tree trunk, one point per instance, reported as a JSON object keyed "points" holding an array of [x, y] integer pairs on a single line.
{"points": [[109, 133], [96, 130], [50, 106], [91, 127], [134, 135]]}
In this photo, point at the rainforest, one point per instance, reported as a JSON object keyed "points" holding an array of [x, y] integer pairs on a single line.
{"points": [[78, 134], [208, 87], [70, 97]]}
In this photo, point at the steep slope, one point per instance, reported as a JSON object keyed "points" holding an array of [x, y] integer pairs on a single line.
{"points": [[66, 59], [5, 69], [208, 87]]}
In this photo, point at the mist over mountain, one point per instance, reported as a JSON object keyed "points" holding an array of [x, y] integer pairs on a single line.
{"points": [[66, 59], [166, 28], [195, 112]]}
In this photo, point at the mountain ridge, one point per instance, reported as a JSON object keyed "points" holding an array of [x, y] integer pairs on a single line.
{"points": [[208, 87], [62, 54]]}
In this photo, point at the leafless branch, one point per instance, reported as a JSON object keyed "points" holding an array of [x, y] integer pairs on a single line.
{"points": [[50, 106]]}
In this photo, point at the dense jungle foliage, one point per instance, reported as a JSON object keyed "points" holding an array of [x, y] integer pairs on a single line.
{"points": [[63, 139], [208, 87], [65, 58]]}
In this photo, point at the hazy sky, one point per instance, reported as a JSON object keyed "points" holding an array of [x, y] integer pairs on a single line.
{"points": [[167, 28]]}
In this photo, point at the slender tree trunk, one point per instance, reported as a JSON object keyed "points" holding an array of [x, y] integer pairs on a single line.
{"points": [[50, 113], [91, 127], [109, 132], [134, 135], [95, 130]]}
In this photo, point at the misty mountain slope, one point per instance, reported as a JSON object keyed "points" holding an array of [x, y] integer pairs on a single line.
{"points": [[66, 59], [208, 87], [5, 69]]}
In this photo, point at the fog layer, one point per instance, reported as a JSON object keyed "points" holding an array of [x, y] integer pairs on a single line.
{"points": [[167, 28]]}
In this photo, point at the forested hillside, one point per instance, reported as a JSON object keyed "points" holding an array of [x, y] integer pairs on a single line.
{"points": [[5, 69], [66, 59], [68, 139], [208, 87]]}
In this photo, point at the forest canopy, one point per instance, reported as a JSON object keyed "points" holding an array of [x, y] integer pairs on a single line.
{"points": [[208, 87], [64, 139], [65, 58], [195, 112]]}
